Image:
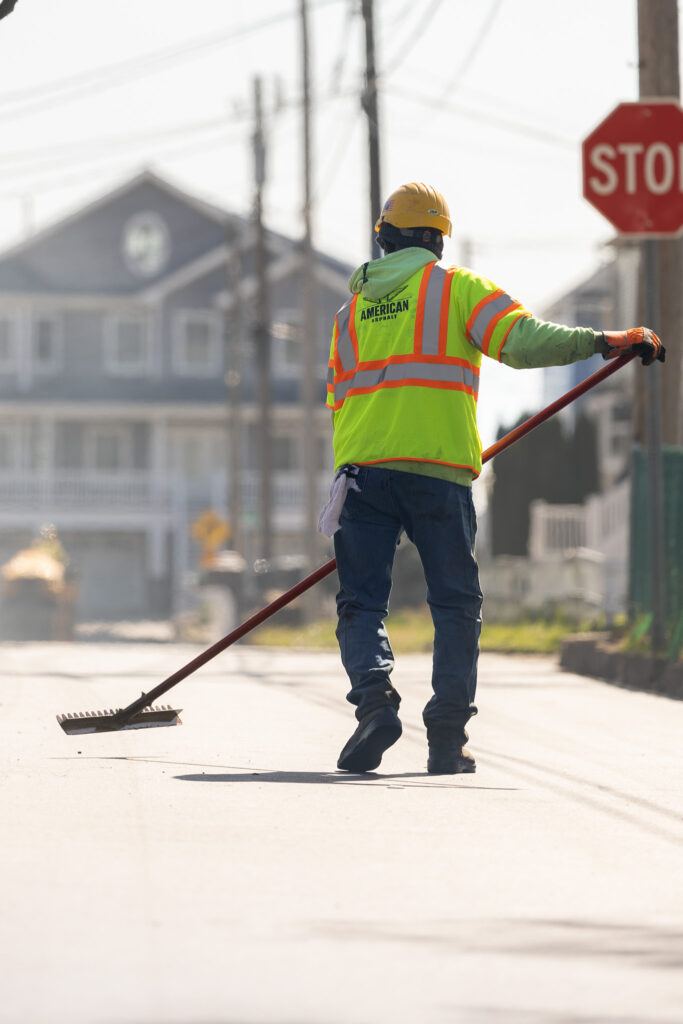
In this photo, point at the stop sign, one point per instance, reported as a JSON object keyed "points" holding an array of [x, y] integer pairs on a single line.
{"points": [[633, 168]]}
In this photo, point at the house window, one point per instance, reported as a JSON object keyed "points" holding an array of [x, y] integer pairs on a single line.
{"points": [[109, 449], [45, 344], [8, 447], [286, 351], [284, 453], [8, 343], [127, 345], [284, 450], [196, 350]]}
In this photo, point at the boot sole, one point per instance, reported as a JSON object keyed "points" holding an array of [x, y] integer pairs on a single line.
{"points": [[461, 766], [368, 752]]}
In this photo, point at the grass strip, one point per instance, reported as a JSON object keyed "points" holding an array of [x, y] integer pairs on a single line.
{"points": [[411, 631]]}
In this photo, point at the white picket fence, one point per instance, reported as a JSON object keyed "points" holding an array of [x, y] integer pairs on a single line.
{"points": [[578, 560]]}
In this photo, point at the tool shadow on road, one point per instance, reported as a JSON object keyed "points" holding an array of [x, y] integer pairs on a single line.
{"points": [[332, 778], [237, 774]]}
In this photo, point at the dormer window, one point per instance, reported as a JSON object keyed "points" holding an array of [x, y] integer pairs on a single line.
{"points": [[146, 244]]}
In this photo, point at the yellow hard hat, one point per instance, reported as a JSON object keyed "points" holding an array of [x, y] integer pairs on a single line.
{"points": [[416, 205]]}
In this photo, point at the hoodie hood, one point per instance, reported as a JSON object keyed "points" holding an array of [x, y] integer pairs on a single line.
{"points": [[378, 278]]}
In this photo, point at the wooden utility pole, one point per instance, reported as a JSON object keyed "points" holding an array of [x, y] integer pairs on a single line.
{"points": [[663, 306], [309, 334], [659, 77], [369, 105], [261, 330], [233, 364]]}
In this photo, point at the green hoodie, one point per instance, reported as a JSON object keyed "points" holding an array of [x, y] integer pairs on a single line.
{"points": [[377, 278]]}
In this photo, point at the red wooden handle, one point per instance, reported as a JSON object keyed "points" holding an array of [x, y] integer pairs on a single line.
{"points": [[329, 567]]}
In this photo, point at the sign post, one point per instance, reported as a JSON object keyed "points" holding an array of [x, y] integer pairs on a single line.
{"points": [[633, 174]]}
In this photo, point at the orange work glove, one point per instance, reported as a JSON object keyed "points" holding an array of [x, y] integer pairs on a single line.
{"points": [[640, 340]]}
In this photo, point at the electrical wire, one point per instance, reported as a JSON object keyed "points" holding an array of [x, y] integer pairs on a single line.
{"points": [[336, 159], [36, 168], [339, 63], [83, 174], [84, 85], [485, 28], [58, 154], [503, 124], [423, 24]]}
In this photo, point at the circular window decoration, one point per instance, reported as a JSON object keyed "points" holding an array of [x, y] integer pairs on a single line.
{"points": [[146, 244]]}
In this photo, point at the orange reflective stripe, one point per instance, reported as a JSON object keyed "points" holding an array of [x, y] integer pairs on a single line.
{"points": [[352, 327], [412, 381], [478, 308], [510, 326], [416, 371], [410, 458], [485, 317], [495, 320], [335, 361], [445, 304], [347, 342], [378, 364], [420, 313]]}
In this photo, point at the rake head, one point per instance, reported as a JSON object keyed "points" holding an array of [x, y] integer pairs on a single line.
{"points": [[115, 720]]}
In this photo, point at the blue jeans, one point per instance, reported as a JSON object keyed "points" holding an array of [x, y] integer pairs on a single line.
{"points": [[438, 516]]}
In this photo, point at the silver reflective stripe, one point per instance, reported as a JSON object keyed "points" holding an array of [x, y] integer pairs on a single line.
{"points": [[486, 315], [330, 375], [345, 348], [432, 315], [396, 373]]}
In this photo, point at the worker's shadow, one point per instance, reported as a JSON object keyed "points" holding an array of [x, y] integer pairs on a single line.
{"points": [[402, 780]]}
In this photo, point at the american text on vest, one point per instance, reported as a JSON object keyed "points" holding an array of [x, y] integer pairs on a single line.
{"points": [[385, 310]]}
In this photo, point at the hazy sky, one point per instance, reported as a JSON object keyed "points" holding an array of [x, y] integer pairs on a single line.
{"points": [[486, 100]]}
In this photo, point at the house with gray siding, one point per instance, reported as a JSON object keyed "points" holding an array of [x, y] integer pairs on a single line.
{"points": [[128, 390]]}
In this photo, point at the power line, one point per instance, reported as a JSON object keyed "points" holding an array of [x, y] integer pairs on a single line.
{"points": [[58, 154], [336, 157], [37, 172], [343, 52], [474, 48], [47, 183], [74, 87], [515, 127], [44, 156], [415, 35]]}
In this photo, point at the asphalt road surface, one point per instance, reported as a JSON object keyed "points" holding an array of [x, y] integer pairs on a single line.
{"points": [[224, 872]]}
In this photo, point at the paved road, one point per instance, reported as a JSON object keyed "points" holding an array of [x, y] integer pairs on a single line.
{"points": [[224, 873]]}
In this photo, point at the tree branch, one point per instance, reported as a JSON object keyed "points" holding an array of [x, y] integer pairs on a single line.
{"points": [[6, 7]]}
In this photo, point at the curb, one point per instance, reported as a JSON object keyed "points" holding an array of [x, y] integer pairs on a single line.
{"points": [[594, 654]]}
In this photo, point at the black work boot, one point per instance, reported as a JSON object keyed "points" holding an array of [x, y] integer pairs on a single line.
{"points": [[375, 733], [448, 754]]}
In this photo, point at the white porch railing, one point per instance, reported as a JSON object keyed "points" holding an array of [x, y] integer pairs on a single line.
{"points": [[582, 549], [601, 524], [53, 492], [78, 490]]}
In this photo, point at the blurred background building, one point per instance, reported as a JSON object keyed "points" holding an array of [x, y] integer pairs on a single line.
{"points": [[129, 392]]}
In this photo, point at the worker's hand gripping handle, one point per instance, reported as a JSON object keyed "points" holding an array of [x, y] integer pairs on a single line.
{"points": [[640, 341]]}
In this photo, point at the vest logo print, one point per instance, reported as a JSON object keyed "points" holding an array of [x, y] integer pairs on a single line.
{"points": [[385, 310]]}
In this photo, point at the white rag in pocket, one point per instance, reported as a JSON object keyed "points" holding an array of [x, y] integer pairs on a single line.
{"points": [[344, 480]]}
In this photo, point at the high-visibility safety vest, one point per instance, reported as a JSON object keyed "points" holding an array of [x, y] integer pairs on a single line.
{"points": [[403, 375]]}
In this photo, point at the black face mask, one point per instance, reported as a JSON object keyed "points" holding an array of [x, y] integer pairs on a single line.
{"points": [[391, 238]]}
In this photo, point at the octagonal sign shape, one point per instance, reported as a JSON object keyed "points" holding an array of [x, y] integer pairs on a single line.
{"points": [[633, 168]]}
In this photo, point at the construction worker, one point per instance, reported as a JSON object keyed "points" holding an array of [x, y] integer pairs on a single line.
{"points": [[402, 383]]}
